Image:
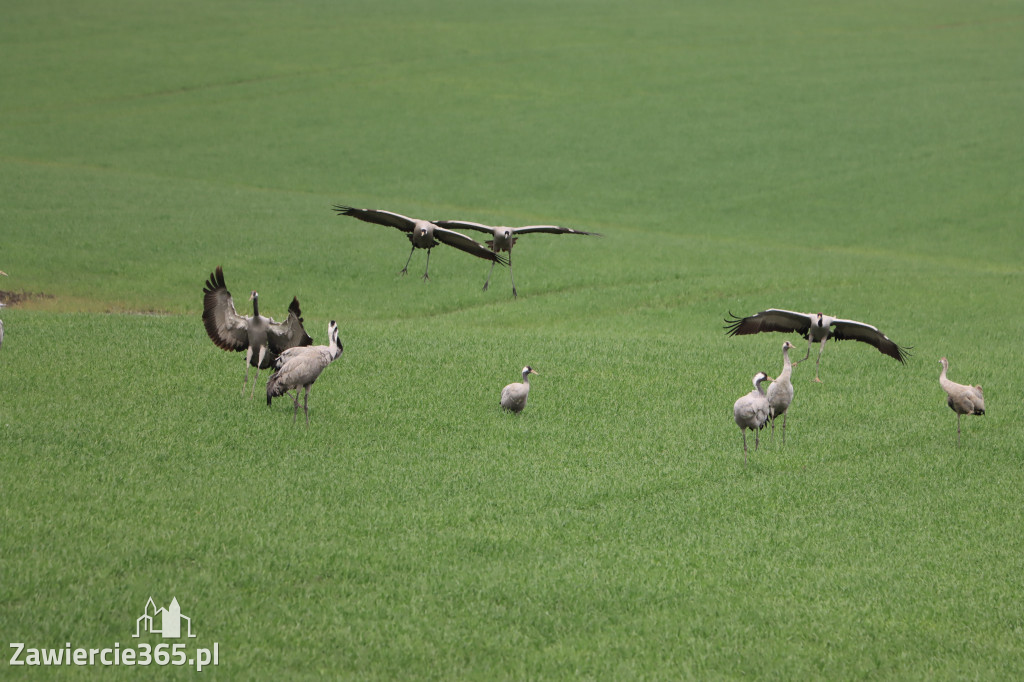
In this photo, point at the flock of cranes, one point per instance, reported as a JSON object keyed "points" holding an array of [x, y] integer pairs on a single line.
{"points": [[761, 407], [286, 348], [816, 328]]}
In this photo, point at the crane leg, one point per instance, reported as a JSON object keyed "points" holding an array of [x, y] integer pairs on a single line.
{"points": [[405, 270], [511, 276], [248, 359], [489, 273], [305, 404], [958, 429], [743, 432], [757, 438], [821, 350], [426, 273], [783, 429], [259, 361], [809, 343]]}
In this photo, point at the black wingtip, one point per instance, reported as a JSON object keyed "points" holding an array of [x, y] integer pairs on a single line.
{"points": [[904, 353], [293, 307], [215, 281], [732, 325], [341, 209]]}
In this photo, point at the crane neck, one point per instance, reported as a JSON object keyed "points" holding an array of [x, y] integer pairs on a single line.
{"points": [[335, 347], [787, 366], [942, 374]]}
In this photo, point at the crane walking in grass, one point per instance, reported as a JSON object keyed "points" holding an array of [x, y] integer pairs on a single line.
{"points": [[260, 337], [513, 396], [751, 412], [504, 238], [817, 328], [961, 399], [298, 368], [780, 392], [423, 234]]}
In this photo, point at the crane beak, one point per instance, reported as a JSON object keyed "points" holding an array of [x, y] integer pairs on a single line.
{"points": [[533, 371]]}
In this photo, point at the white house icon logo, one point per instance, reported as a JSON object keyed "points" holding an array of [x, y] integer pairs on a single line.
{"points": [[166, 622]]}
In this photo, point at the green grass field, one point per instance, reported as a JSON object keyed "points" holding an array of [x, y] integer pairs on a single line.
{"points": [[861, 159]]}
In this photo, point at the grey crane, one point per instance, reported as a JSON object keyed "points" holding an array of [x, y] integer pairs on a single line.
{"points": [[504, 238], [816, 327], [751, 412], [260, 337], [513, 396], [960, 398], [299, 367], [780, 391], [423, 234]]}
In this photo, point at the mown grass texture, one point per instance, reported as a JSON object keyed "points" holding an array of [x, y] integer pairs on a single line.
{"points": [[858, 160]]}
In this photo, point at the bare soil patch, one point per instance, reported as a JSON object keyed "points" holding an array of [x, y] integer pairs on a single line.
{"points": [[13, 298]]}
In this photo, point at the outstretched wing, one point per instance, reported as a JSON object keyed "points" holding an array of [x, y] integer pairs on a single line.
{"points": [[403, 223], [551, 229], [467, 244], [463, 225], [290, 333], [859, 331], [226, 327], [771, 320]]}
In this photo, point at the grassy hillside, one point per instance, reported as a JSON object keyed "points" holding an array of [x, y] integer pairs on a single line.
{"points": [[859, 160]]}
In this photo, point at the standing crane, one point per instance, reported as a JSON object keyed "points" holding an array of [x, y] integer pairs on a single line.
{"points": [[780, 392], [513, 396], [423, 234], [816, 327], [260, 337], [960, 398], [299, 367], [751, 412], [504, 238]]}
